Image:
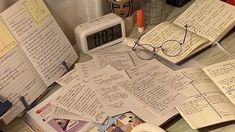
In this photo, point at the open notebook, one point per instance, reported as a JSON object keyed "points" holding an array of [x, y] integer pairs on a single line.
{"points": [[210, 96], [208, 21], [32, 49]]}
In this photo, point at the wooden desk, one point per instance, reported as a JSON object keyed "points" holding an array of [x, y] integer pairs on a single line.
{"points": [[178, 124]]}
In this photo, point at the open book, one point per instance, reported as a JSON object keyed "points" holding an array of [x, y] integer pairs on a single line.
{"points": [[32, 49], [207, 20], [211, 95]]}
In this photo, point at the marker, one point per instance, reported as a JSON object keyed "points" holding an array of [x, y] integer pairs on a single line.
{"points": [[140, 20], [5, 105]]}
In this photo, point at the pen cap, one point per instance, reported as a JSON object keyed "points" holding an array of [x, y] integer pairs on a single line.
{"points": [[140, 20]]}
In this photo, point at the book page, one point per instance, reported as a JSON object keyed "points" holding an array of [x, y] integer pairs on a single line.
{"points": [[7, 41], [41, 38], [206, 104], [166, 31], [118, 60], [18, 78], [223, 75], [212, 19]]}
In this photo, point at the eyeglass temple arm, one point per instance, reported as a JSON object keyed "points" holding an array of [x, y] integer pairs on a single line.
{"points": [[186, 31], [136, 42]]}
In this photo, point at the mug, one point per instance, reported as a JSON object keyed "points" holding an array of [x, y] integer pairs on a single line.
{"points": [[122, 8]]}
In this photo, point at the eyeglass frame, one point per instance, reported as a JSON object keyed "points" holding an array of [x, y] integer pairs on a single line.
{"points": [[160, 47]]}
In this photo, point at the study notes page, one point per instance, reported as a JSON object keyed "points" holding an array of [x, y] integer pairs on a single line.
{"points": [[206, 104], [41, 38], [18, 78], [223, 75], [211, 19]]}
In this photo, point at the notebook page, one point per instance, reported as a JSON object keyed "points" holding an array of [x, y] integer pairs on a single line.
{"points": [[205, 101], [168, 31], [223, 75], [40, 37], [212, 19], [18, 78]]}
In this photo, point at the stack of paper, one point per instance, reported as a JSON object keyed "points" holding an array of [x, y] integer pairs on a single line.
{"points": [[110, 85]]}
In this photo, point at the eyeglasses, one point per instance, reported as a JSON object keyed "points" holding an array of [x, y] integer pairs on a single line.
{"points": [[171, 48]]}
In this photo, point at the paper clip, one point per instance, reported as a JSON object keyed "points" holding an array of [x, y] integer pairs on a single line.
{"points": [[5, 105]]}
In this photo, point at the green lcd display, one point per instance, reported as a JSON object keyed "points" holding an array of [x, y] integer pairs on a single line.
{"points": [[104, 36]]}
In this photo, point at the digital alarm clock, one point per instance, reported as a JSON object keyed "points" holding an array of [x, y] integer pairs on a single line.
{"points": [[100, 33]]}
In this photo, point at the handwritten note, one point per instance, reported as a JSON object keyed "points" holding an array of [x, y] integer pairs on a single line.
{"points": [[7, 41], [223, 75], [118, 60], [45, 45], [80, 99], [163, 74], [211, 18], [204, 99], [37, 9], [169, 31], [106, 83], [19, 78], [154, 93], [87, 69]]}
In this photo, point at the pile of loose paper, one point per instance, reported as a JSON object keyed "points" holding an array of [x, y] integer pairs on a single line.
{"points": [[110, 85]]}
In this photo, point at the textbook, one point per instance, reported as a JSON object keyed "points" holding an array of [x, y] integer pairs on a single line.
{"points": [[211, 97], [33, 50], [207, 21]]}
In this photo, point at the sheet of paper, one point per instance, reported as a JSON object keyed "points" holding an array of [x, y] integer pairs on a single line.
{"points": [[212, 19], [7, 41], [18, 78], [118, 60], [223, 75], [150, 91], [42, 116], [163, 74], [80, 99], [148, 115], [81, 72], [168, 31], [86, 69], [40, 37], [206, 104], [106, 83], [64, 114], [69, 76]]}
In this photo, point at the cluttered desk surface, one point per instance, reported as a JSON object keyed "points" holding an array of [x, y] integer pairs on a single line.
{"points": [[208, 57]]}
